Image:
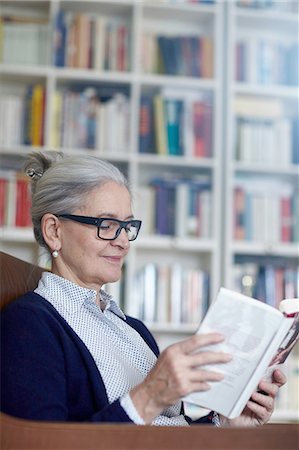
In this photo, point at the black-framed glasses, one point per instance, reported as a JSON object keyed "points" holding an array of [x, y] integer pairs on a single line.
{"points": [[108, 229]]}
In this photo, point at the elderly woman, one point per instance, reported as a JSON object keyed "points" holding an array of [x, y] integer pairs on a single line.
{"points": [[69, 353]]}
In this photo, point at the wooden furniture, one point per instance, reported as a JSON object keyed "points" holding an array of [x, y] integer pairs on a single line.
{"points": [[21, 434], [17, 277]]}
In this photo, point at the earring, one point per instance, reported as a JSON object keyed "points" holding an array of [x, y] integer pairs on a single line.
{"points": [[55, 254]]}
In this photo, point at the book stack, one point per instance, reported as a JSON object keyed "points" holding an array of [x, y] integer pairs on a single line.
{"points": [[176, 123], [265, 211], [22, 117], [176, 206], [91, 118], [91, 42], [15, 200], [170, 294]]}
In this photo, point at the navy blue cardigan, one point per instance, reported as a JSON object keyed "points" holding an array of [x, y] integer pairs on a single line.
{"points": [[47, 373]]}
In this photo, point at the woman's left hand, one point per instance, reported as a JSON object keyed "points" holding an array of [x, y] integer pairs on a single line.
{"points": [[260, 406]]}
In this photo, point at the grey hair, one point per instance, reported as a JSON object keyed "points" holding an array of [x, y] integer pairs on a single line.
{"points": [[59, 183]]}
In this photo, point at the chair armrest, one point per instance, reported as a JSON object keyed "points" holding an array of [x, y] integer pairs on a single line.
{"points": [[24, 434]]}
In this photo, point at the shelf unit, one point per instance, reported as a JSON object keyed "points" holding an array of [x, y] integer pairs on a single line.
{"points": [[222, 21], [251, 25], [241, 257]]}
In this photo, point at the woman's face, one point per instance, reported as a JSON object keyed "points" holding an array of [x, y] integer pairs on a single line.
{"points": [[84, 258]]}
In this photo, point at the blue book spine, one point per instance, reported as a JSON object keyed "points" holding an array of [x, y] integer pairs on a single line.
{"points": [[172, 125], [60, 39]]}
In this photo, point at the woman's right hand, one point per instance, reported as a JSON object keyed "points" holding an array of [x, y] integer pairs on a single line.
{"points": [[178, 373]]}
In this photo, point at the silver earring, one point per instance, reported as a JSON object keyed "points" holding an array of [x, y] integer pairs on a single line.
{"points": [[55, 254]]}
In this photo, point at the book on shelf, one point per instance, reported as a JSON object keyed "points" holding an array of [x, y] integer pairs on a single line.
{"points": [[265, 211], [264, 135], [270, 281], [290, 6], [146, 127], [259, 338], [257, 61], [186, 56], [90, 41], [179, 206], [15, 199], [169, 294], [25, 40], [91, 118], [180, 121], [22, 116]]}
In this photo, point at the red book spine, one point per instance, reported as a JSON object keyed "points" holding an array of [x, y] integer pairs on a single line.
{"points": [[3, 191]]}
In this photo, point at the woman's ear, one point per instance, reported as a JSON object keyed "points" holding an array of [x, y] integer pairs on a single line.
{"points": [[51, 231]]}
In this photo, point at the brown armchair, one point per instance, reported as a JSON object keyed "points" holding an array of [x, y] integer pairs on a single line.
{"points": [[18, 277]]}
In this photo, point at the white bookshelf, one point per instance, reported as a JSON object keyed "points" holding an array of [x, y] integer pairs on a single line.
{"points": [[274, 25]]}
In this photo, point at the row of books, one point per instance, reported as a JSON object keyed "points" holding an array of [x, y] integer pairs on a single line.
{"points": [[269, 282], [181, 1], [22, 117], [266, 62], [265, 131], [176, 206], [24, 40], [15, 200], [287, 6], [178, 55], [176, 123], [91, 42], [266, 212], [91, 118], [170, 294], [267, 141]]}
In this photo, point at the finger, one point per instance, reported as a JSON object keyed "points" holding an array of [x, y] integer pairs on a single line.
{"points": [[205, 375], [204, 358], [262, 414], [266, 401], [199, 340], [267, 388], [279, 378]]}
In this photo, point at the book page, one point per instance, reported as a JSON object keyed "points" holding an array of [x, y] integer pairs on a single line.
{"points": [[249, 326]]}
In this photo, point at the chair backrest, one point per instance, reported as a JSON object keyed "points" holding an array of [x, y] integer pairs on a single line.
{"points": [[16, 278]]}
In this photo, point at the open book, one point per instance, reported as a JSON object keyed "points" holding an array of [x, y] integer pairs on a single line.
{"points": [[257, 335]]}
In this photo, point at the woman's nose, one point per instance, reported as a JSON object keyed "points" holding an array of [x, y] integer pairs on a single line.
{"points": [[122, 239]]}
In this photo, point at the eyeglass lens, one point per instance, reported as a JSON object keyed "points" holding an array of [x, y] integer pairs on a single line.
{"points": [[109, 229]]}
